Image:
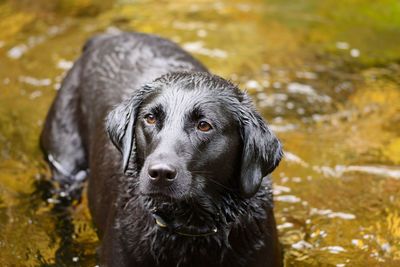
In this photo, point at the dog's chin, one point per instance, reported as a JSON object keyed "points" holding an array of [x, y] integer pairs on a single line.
{"points": [[160, 202]]}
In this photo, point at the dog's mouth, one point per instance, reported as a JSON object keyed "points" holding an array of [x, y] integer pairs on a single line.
{"points": [[157, 197], [164, 194]]}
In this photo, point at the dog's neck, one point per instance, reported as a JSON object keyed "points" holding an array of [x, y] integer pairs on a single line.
{"points": [[176, 227]]}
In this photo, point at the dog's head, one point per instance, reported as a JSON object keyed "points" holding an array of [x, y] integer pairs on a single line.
{"points": [[193, 132]]}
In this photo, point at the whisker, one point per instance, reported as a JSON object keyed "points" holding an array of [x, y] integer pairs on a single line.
{"points": [[128, 203], [214, 181]]}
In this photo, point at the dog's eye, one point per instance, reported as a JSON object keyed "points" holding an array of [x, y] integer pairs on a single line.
{"points": [[150, 119], [204, 126]]}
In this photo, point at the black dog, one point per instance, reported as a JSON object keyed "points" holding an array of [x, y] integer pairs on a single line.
{"points": [[180, 181]]}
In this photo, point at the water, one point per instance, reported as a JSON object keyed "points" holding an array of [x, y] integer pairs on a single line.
{"points": [[324, 74]]}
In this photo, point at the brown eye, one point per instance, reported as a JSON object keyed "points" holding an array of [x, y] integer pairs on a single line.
{"points": [[150, 119], [204, 126]]}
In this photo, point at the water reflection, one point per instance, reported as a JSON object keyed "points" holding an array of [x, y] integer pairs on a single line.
{"points": [[325, 76]]}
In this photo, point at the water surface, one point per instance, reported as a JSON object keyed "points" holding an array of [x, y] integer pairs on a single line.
{"points": [[324, 74]]}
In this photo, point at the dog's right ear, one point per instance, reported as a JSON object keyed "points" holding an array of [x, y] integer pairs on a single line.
{"points": [[120, 124]]}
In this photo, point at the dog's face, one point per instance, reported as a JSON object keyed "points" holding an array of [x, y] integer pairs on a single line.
{"points": [[187, 134], [186, 140]]}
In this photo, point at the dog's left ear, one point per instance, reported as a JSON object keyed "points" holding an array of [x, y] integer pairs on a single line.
{"points": [[262, 150], [120, 124]]}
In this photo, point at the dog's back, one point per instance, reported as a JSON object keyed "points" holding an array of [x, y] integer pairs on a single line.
{"points": [[112, 68]]}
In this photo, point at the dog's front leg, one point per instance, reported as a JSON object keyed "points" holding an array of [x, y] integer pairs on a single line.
{"points": [[112, 252]]}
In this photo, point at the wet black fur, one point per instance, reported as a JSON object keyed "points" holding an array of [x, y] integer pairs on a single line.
{"points": [[114, 80]]}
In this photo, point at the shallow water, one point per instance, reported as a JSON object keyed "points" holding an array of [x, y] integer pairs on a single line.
{"points": [[324, 74]]}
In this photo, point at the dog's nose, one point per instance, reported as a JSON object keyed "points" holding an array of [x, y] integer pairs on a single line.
{"points": [[162, 173]]}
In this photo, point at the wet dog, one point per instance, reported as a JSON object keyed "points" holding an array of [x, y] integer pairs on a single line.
{"points": [[178, 158]]}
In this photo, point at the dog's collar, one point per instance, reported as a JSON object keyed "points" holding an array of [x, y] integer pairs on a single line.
{"points": [[181, 230]]}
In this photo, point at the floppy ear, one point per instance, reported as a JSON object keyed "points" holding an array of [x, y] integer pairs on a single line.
{"points": [[262, 151], [120, 124]]}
